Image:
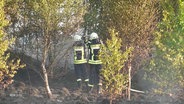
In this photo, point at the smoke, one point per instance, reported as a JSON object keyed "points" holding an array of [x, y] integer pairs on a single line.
{"points": [[163, 87]]}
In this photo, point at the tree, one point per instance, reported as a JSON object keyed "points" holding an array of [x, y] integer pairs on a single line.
{"points": [[55, 18], [166, 67], [114, 74], [135, 21], [43, 29], [8, 67]]}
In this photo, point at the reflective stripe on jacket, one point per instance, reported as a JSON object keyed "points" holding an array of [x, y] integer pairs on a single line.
{"points": [[79, 55], [94, 52]]}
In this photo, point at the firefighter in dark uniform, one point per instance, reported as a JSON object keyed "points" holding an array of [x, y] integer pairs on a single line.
{"points": [[95, 63], [80, 62]]}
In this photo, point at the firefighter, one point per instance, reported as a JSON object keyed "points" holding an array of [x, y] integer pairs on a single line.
{"points": [[95, 63], [80, 62]]}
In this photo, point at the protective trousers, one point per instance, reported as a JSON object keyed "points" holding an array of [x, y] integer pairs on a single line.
{"points": [[81, 74], [94, 76]]}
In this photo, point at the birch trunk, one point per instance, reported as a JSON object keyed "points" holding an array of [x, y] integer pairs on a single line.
{"points": [[47, 87], [44, 70]]}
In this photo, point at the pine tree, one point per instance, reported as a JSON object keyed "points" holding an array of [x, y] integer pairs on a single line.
{"points": [[114, 75]]}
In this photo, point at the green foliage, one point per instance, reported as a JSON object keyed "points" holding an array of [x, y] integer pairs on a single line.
{"points": [[11, 9], [92, 18], [113, 59], [54, 22], [167, 66], [132, 18], [135, 21], [8, 68], [53, 12]]}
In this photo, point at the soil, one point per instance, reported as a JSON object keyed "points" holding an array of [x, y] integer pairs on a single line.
{"points": [[31, 91]]}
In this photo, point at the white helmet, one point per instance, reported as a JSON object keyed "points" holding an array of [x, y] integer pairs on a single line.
{"points": [[77, 37], [93, 36]]}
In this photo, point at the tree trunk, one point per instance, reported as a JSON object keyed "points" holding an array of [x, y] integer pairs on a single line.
{"points": [[49, 93], [129, 78]]}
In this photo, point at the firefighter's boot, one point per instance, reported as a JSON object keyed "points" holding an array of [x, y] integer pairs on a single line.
{"points": [[90, 88], [79, 83], [87, 84]]}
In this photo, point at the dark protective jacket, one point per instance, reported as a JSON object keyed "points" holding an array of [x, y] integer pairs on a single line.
{"points": [[94, 47], [79, 53]]}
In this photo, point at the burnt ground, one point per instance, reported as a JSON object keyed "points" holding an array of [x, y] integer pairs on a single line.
{"points": [[28, 88], [31, 90]]}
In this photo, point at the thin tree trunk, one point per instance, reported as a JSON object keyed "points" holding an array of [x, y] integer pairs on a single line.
{"points": [[49, 93], [129, 78]]}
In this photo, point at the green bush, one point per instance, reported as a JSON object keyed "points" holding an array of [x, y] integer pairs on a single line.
{"points": [[165, 69], [115, 77], [8, 68]]}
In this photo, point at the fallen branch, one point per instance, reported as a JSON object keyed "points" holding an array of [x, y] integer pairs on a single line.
{"points": [[138, 91]]}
